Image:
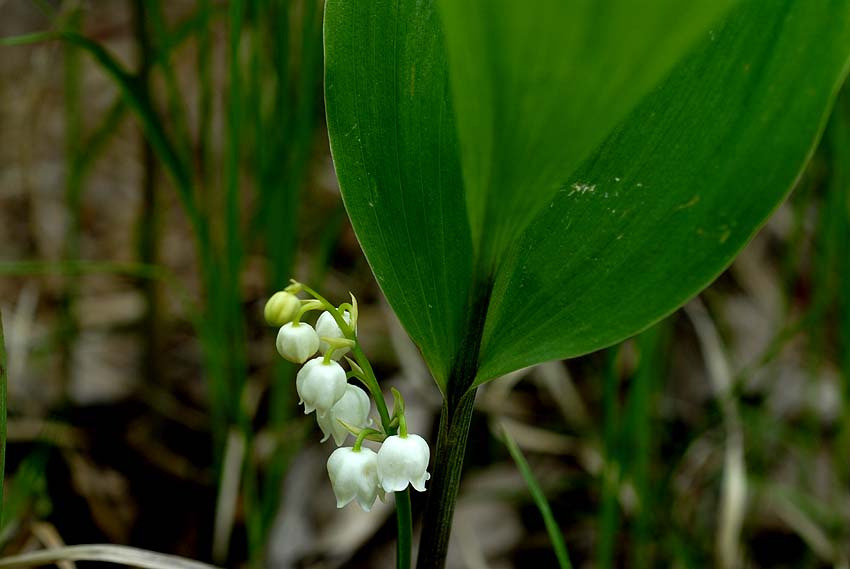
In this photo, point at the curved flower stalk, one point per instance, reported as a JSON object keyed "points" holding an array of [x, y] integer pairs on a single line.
{"points": [[356, 473]]}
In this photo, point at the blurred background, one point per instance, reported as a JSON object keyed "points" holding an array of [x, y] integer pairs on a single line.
{"points": [[164, 169]]}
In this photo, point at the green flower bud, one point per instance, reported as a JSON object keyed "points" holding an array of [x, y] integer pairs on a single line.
{"points": [[281, 308]]}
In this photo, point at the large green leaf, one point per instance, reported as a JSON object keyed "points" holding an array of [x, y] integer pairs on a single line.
{"points": [[613, 157], [394, 142], [670, 197], [394, 147], [537, 86]]}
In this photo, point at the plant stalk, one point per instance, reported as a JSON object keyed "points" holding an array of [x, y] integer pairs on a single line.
{"points": [[455, 420], [404, 519]]}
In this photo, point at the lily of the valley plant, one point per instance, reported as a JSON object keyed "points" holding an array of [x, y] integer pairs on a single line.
{"points": [[538, 180], [343, 409]]}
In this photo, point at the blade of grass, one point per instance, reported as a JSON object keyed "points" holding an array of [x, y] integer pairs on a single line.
{"points": [[152, 11], [120, 554], [132, 270], [558, 545], [26, 487], [139, 102], [233, 238], [228, 495], [204, 11], [95, 143], [609, 517], [289, 69], [67, 325], [838, 139], [641, 418], [733, 491], [29, 38], [147, 243]]}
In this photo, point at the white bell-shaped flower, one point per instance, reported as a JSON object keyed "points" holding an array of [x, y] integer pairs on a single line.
{"points": [[281, 308], [403, 460], [320, 385], [354, 475], [327, 327], [297, 341], [353, 408]]}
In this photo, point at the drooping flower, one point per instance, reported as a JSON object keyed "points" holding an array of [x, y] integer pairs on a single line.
{"points": [[281, 308], [403, 460], [327, 327], [353, 475], [320, 385], [353, 408], [297, 341]]}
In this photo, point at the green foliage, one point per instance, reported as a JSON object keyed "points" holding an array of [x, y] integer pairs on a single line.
{"points": [[578, 202], [270, 106], [393, 141], [536, 89], [558, 545]]}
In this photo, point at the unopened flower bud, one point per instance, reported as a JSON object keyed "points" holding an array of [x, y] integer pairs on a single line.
{"points": [[353, 408], [353, 475], [281, 308], [403, 460], [297, 342], [327, 327], [320, 385]]}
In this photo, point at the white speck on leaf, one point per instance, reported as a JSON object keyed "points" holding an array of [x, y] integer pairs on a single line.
{"points": [[582, 188]]}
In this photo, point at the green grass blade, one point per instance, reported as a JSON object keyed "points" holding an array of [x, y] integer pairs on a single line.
{"points": [[152, 126], [612, 466], [29, 39], [205, 98], [96, 142], [539, 498], [73, 190], [641, 418], [838, 139], [152, 14]]}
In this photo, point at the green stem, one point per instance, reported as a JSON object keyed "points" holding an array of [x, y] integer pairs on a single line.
{"points": [[445, 481], [374, 387], [68, 324], [404, 518], [455, 419], [148, 223]]}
